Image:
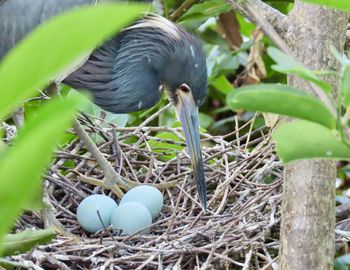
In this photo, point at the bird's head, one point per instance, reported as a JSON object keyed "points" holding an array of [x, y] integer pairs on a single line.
{"points": [[180, 64], [185, 78]]}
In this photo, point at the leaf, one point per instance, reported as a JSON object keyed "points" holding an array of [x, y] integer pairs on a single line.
{"points": [[338, 4], [306, 140], [345, 85], [288, 65], [222, 84], [70, 36], [221, 61], [170, 148], [120, 120], [36, 201], [342, 262], [21, 166], [25, 241], [340, 57], [284, 6], [9, 264], [281, 99], [204, 120], [206, 9], [201, 13], [246, 27]]}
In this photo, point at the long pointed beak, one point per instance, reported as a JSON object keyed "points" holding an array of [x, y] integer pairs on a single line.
{"points": [[188, 114]]}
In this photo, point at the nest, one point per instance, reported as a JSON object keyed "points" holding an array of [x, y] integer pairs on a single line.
{"points": [[238, 231]]}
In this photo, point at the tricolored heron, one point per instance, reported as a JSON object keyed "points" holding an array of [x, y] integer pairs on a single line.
{"points": [[126, 72]]}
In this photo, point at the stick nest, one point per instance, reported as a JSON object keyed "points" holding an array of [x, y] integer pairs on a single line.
{"points": [[239, 230]]}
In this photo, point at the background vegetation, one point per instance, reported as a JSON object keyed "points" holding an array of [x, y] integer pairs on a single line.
{"points": [[238, 54]]}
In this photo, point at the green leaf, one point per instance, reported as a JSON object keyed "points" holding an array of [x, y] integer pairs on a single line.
{"points": [[69, 37], [204, 120], [36, 202], [340, 57], [342, 262], [120, 120], [246, 27], [21, 166], [288, 65], [281, 99], [345, 85], [338, 4], [25, 241], [306, 140], [284, 6], [168, 148], [222, 84], [206, 9], [221, 61]]}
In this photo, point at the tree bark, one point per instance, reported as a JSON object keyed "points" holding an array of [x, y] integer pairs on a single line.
{"points": [[308, 205]]}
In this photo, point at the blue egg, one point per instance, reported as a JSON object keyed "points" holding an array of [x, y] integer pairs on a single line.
{"points": [[149, 196], [88, 209], [130, 218]]}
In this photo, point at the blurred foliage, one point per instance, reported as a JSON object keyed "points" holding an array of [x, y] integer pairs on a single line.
{"points": [[23, 241], [21, 165], [342, 262], [234, 58]]}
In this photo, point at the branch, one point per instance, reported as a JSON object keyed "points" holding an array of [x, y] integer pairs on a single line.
{"points": [[278, 20], [182, 9], [267, 16]]}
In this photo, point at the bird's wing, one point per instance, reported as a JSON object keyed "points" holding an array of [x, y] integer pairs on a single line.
{"points": [[118, 77], [116, 85], [19, 17]]}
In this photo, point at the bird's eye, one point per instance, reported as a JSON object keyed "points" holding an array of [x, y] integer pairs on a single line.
{"points": [[184, 88]]}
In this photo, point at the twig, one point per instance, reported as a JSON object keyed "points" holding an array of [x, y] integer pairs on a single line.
{"points": [[111, 177], [275, 18], [182, 9]]}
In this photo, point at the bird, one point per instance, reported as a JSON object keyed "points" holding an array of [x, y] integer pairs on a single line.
{"points": [[126, 73]]}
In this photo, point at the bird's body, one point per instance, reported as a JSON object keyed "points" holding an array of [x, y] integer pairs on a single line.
{"points": [[125, 73], [19, 17], [111, 68]]}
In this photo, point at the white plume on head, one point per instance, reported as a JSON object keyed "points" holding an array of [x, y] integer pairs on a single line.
{"points": [[152, 20]]}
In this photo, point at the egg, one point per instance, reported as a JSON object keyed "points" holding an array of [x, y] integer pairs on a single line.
{"points": [[88, 209], [131, 217], [149, 196]]}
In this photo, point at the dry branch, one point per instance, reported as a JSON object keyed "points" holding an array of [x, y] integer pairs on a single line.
{"points": [[276, 19]]}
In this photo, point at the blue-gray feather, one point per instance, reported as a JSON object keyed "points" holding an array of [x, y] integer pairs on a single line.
{"points": [[19, 17], [126, 72], [116, 85]]}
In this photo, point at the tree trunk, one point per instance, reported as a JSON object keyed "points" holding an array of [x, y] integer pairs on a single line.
{"points": [[308, 206]]}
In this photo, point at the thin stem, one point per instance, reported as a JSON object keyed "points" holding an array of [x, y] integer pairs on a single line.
{"points": [[277, 19], [182, 9], [111, 177]]}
